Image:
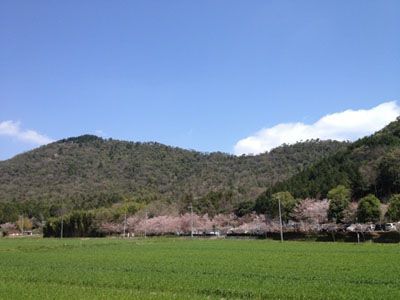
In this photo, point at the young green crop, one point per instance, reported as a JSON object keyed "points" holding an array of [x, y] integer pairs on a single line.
{"points": [[196, 269]]}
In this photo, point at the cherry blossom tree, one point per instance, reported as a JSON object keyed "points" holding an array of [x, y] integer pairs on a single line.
{"points": [[255, 225], [8, 228], [110, 228], [350, 213], [224, 223], [311, 211]]}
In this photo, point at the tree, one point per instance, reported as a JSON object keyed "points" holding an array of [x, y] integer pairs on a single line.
{"points": [[269, 204], [244, 208], [389, 173], [24, 223], [368, 209], [311, 211], [339, 200], [75, 224], [7, 228], [9, 212], [262, 202], [350, 213], [393, 211]]}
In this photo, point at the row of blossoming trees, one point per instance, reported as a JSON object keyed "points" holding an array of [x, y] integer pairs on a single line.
{"points": [[309, 214], [183, 224]]}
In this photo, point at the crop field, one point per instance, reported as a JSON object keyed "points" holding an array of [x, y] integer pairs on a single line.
{"points": [[166, 268]]}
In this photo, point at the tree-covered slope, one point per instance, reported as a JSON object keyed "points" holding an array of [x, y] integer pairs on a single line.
{"points": [[369, 165], [88, 172]]}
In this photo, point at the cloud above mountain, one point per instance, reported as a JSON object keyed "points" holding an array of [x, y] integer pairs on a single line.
{"points": [[346, 125], [13, 129]]}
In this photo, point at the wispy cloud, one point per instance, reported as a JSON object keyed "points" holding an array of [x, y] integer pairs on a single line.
{"points": [[13, 129], [99, 133], [345, 125]]}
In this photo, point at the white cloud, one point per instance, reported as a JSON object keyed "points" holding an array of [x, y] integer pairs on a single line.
{"points": [[99, 132], [341, 126], [13, 129]]}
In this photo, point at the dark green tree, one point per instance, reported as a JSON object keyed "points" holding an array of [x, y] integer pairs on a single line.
{"points": [[262, 202], [244, 208], [76, 224], [339, 200], [389, 173], [269, 204], [394, 208], [369, 209]]}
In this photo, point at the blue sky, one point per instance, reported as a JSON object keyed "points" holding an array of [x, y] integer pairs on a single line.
{"points": [[203, 75]]}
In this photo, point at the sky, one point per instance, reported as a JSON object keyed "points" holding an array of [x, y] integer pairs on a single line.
{"points": [[235, 76]]}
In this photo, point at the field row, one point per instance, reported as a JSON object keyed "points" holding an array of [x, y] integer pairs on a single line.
{"points": [[196, 269]]}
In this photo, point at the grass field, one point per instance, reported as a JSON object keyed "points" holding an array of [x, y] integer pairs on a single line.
{"points": [[196, 269]]}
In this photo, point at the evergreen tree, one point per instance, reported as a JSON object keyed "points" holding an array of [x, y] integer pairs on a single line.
{"points": [[394, 208], [369, 209], [339, 200], [269, 204]]}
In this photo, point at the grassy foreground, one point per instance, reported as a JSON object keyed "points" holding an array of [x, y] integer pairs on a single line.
{"points": [[196, 269]]}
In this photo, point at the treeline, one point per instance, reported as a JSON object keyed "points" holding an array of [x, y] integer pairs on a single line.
{"points": [[85, 223], [298, 215], [113, 205], [341, 208], [10, 211], [338, 208], [76, 224]]}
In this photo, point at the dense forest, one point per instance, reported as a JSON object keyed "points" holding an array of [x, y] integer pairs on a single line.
{"points": [[370, 165], [89, 172]]}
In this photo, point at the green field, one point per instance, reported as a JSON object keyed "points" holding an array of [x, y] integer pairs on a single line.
{"points": [[196, 269]]}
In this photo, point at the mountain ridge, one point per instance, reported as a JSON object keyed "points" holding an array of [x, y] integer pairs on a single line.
{"points": [[88, 171]]}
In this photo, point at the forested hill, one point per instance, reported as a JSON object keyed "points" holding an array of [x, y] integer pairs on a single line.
{"points": [[369, 165], [88, 171]]}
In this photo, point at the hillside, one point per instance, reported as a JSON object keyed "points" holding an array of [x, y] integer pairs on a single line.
{"points": [[369, 165], [88, 172]]}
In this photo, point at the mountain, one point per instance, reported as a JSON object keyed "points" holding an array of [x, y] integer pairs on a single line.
{"points": [[369, 165], [89, 172]]}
